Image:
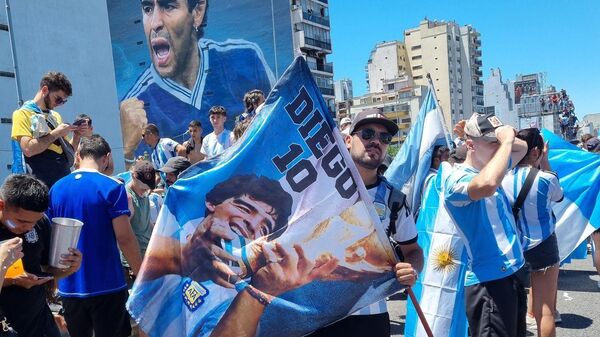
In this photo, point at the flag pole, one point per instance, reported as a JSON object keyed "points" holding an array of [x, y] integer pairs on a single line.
{"points": [[439, 110], [420, 313]]}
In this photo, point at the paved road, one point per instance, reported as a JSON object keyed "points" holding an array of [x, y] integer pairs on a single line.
{"points": [[578, 302]]}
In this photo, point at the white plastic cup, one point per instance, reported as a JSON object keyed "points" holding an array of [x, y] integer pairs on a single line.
{"points": [[65, 235]]}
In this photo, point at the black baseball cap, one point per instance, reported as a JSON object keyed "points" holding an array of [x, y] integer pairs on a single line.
{"points": [[373, 116], [175, 164], [145, 172]]}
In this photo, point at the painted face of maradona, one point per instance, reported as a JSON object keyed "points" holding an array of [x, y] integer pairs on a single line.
{"points": [[170, 27], [246, 216]]}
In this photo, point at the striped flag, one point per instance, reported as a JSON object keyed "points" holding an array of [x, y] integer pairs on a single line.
{"points": [[440, 286], [412, 162], [578, 215]]}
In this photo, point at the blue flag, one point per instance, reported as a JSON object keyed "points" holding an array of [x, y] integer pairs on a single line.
{"points": [[278, 228], [578, 215], [411, 164], [440, 286]]}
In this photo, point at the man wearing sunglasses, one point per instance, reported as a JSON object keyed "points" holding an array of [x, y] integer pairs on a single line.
{"points": [[41, 133], [369, 137]]}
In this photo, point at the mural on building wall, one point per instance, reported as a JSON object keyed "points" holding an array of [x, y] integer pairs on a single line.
{"points": [[176, 59]]}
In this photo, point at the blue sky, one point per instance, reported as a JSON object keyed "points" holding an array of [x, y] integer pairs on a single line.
{"points": [[560, 38]]}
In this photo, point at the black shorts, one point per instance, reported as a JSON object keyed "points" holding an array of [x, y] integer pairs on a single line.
{"points": [[543, 255], [497, 308], [377, 325], [104, 315]]}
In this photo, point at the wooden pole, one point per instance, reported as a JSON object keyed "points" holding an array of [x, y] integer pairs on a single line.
{"points": [[413, 298]]}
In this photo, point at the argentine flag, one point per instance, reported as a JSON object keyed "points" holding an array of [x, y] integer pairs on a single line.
{"points": [[412, 162], [578, 215], [440, 286]]}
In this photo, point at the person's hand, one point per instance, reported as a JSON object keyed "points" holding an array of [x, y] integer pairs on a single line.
{"points": [[405, 273], [84, 130], [505, 134], [287, 269], [133, 119], [459, 129], [10, 252], [200, 256], [72, 260], [62, 130], [28, 280]]}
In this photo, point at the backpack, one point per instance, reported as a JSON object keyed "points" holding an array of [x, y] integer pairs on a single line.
{"points": [[396, 201]]}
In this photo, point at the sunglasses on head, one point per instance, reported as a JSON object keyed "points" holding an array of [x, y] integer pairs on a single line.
{"points": [[368, 134]]}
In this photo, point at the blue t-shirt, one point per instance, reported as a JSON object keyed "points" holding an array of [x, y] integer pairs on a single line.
{"points": [[486, 226], [94, 199]]}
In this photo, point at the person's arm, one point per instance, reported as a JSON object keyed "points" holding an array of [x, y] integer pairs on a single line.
{"points": [[490, 177], [34, 146], [286, 270], [406, 272], [180, 149], [127, 242], [163, 258]]}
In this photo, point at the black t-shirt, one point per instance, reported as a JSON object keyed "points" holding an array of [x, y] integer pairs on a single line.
{"points": [[24, 307]]}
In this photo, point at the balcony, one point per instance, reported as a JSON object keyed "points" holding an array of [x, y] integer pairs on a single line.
{"points": [[477, 53], [317, 43], [327, 91], [323, 1], [316, 19], [478, 62], [478, 73], [326, 67], [479, 82]]}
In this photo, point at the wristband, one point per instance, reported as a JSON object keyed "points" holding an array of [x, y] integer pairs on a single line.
{"points": [[258, 295]]}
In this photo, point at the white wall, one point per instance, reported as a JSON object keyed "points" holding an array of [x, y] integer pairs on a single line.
{"points": [[70, 36]]}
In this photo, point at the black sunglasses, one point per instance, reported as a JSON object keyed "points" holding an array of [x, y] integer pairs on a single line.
{"points": [[368, 134]]}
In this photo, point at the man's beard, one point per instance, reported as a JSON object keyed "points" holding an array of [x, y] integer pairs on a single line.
{"points": [[47, 102], [367, 162]]}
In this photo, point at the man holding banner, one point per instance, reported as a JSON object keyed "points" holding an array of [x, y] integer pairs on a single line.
{"points": [[369, 136], [331, 241], [494, 295]]}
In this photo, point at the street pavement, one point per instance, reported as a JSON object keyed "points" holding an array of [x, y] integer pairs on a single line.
{"points": [[578, 302]]}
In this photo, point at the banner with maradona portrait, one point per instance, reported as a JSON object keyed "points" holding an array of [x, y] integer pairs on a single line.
{"points": [[275, 237], [175, 59]]}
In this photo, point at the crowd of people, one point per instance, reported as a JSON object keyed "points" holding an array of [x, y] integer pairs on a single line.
{"points": [[500, 177]]}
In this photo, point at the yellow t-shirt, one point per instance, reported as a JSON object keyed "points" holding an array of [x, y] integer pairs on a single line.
{"points": [[21, 126]]}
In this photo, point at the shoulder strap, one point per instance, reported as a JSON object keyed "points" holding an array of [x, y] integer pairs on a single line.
{"points": [[396, 200], [524, 191]]}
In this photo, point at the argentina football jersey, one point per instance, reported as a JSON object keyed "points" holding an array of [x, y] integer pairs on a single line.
{"points": [[487, 227], [227, 71]]}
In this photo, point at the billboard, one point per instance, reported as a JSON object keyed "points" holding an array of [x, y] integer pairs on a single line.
{"points": [[527, 87], [176, 59]]}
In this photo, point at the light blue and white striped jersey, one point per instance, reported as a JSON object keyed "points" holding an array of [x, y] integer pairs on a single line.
{"points": [[165, 149], [487, 227], [536, 222], [406, 231]]}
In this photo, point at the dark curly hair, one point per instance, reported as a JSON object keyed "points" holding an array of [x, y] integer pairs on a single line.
{"points": [[56, 81], [262, 189]]}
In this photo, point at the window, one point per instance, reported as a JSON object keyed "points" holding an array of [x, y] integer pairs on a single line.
{"points": [[415, 47], [417, 57], [390, 86], [5, 120], [417, 67], [418, 77]]}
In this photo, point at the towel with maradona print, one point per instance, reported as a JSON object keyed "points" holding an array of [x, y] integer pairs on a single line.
{"points": [[284, 211]]}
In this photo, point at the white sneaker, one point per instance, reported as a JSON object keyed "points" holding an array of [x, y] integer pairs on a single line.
{"points": [[557, 317]]}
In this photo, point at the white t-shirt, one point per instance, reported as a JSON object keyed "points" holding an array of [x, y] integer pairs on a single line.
{"points": [[406, 231], [213, 144]]}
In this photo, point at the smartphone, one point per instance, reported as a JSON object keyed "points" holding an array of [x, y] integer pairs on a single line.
{"points": [[80, 122], [45, 276]]}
